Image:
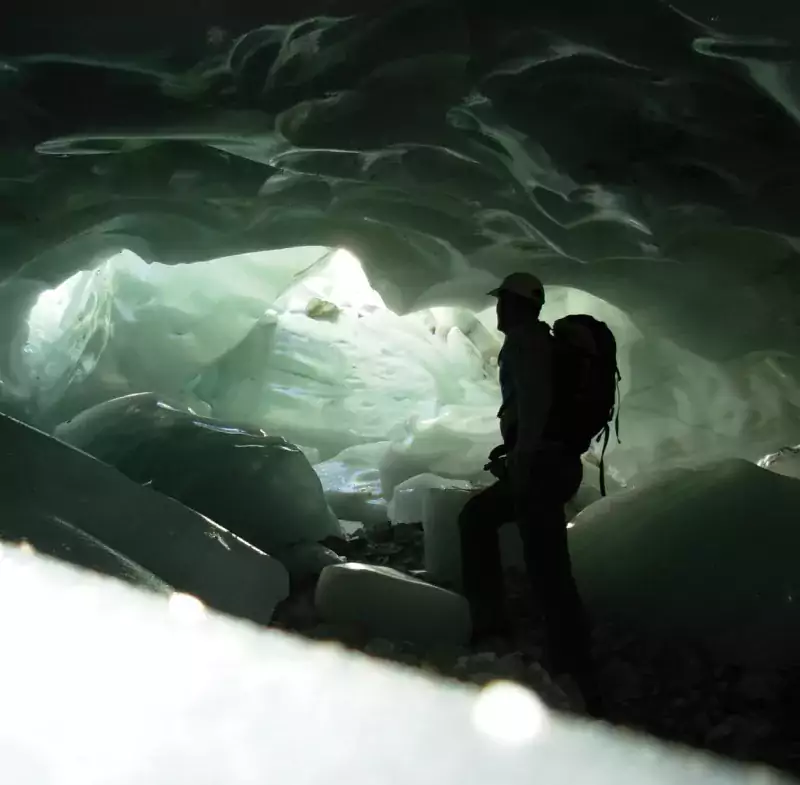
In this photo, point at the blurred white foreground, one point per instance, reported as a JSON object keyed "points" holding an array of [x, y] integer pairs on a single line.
{"points": [[106, 684]]}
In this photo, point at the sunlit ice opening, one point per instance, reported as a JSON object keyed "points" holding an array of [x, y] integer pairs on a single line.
{"points": [[299, 343]]}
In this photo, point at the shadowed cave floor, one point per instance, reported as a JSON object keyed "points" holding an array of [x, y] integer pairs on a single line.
{"points": [[670, 689]]}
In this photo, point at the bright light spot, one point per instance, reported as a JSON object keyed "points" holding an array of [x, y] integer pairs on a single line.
{"points": [[341, 281], [570, 525], [508, 713], [51, 306], [60, 325], [350, 285], [186, 608]]}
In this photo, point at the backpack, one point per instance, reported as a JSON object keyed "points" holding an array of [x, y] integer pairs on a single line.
{"points": [[585, 384]]}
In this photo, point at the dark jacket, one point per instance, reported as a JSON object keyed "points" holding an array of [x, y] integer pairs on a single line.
{"points": [[526, 379]]}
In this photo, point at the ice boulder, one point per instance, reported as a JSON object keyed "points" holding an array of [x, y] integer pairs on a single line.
{"points": [[48, 479], [389, 604], [436, 503], [51, 535], [708, 552], [410, 498], [260, 487]]}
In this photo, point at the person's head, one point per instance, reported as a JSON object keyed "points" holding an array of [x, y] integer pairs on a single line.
{"points": [[519, 300]]}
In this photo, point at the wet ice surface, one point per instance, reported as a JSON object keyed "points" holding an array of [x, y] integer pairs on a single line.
{"points": [[669, 688]]}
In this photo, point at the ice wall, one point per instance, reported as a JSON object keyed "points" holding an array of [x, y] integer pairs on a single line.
{"points": [[342, 379], [129, 326], [298, 343]]}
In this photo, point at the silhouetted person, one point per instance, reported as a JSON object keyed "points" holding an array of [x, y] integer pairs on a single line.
{"points": [[538, 471]]}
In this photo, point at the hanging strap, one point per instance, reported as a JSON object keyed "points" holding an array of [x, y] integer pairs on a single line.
{"points": [[606, 435]]}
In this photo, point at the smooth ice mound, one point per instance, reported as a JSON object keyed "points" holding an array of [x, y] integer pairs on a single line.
{"points": [[708, 552], [259, 487], [390, 604], [44, 479]]}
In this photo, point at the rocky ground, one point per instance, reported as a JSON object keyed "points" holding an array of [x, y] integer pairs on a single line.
{"points": [[672, 690]]}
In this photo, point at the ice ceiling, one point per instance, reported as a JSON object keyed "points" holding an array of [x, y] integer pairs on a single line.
{"points": [[641, 154]]}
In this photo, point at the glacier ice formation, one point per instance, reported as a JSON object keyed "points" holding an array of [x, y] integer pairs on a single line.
{"points": [[177, 188]]}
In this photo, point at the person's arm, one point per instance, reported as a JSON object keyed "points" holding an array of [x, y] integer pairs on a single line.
{"points": [[530, 360]]}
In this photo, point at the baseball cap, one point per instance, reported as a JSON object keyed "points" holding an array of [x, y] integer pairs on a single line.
{"points": [[523, 284]]}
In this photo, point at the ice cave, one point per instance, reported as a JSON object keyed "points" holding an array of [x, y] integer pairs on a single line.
{"points": [[249, 358]]}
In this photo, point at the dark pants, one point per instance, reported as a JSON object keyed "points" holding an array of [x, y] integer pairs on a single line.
{"points": [[538, 509]]}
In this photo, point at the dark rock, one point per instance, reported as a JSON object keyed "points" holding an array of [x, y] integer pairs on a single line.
{"points": [[260, 487]]}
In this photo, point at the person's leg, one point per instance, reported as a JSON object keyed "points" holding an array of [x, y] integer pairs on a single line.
{"points": [[544, 533], [550, 570], [481, 564]]}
